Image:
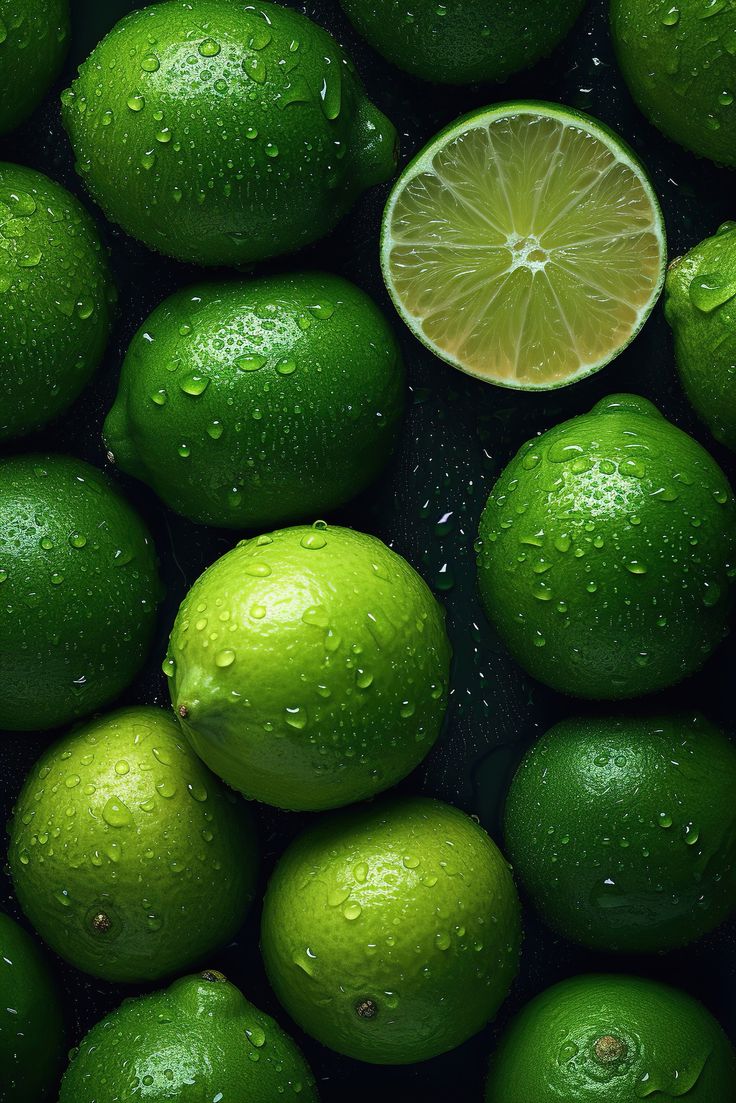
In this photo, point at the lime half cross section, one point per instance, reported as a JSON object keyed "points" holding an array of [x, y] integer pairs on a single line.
{"points": [[524, 245]]}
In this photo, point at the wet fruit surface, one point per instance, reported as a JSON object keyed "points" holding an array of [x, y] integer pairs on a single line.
{"points": [[606, 553], [130, 859], [79, 588], [678, 61], [699, 305], [612, 1039], [227, 388], [462, 41], [644, 857], [34, 37], [56, 298], [200, 1039], [309, 667], [221, 133], [391, 932], [31, 1027]]}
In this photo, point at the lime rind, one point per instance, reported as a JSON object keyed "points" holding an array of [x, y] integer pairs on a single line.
{"points": [[620, 160]]}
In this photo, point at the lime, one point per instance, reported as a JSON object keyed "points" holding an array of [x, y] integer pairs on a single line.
{"points": [[678, 60], [56, 296], [249, 404], [31, 1026], [524, 245], [700, 305], [224, 133], [644, 858], [462, 41], [34, 35], [391, 932], [78, 589], [130, 859], [200, 1039], [310, 667], [606, 553], [612, 1039]]}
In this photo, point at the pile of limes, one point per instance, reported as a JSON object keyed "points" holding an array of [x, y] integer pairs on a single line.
{"points": [[309, 666]]}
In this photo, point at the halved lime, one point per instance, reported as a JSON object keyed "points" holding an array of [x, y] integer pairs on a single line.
{"points": [[524, 245]]}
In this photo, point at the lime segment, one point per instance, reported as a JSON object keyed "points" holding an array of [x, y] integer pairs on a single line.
{"points": [[524, 245]]}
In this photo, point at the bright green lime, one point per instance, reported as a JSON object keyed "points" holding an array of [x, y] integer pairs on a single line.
{"points": [[677, 57], [245, 405], [56, 297], [700, 305], [612, 1039], [606, 553], [199, 1040], [310, 667], [34, 35], [462, 41], [31, 1026], [130, 859], [79, 588], [644, 857], [223, 133], [391, 932]]}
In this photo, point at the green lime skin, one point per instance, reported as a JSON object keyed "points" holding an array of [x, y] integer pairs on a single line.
{"points": [[678, 62], [310, 667], [223, 133], [31, 1025], [463, 41], [606, 553], [391, 932], [612, 1039], [34, 35], [56, 299], [198, 1040], [79, 588], [247, 405], [129, 858], [700, 306], [644, 858]]}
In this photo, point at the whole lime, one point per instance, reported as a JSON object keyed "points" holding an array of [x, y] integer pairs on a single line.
{"points": [[612, 1039], [31, 1025], [310, 667], [78, 591], [644, 858], [462, 41], [678, 62], [249, 404], [200, 1039], [56, 297], [700, 305], [391, 932], [34, 35], [224, 133], [130, 859], [606, 554]]}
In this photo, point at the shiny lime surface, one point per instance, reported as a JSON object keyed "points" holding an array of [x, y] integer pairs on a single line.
{"points": [[223, 133], [198, 1040], [130, 859], [79, 588], [309, 667], [607, 547], [644, 857], [56, 298], [391, 932], [612, 1039], [34, 36], [253, 403], [31, 1025]]}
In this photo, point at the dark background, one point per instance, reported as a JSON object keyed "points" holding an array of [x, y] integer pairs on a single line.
{"points": [[459, 434]]}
